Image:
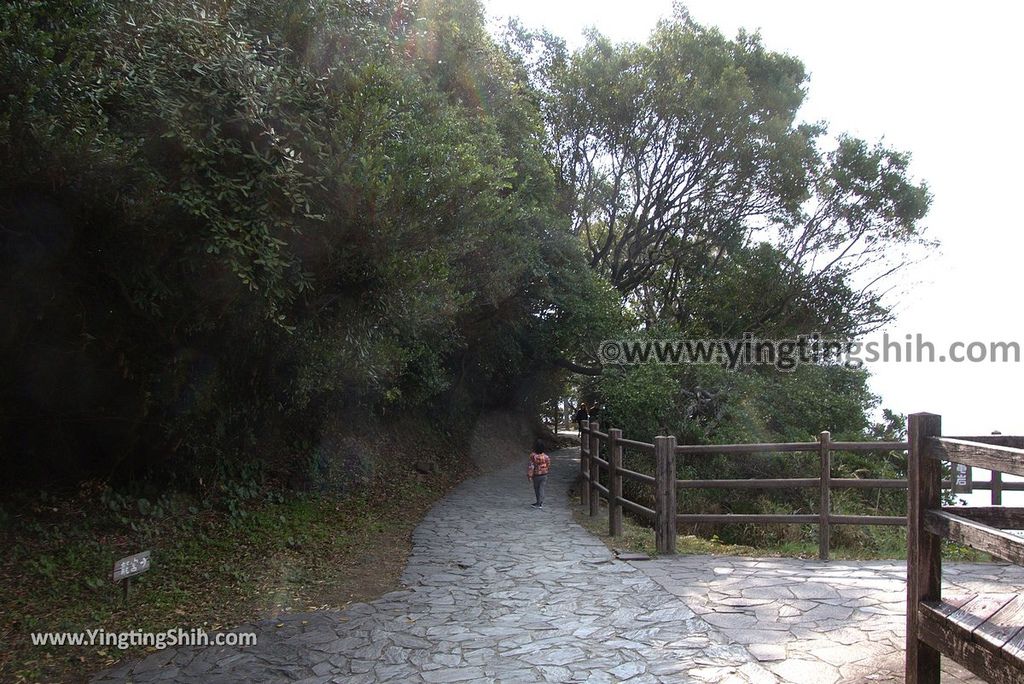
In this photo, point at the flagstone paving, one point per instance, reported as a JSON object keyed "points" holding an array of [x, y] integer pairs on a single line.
{"points": [[815, 622], [496, 591], [499, 591]]}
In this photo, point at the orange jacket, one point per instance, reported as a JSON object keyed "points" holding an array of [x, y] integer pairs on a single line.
{"points": [[539, 465]]}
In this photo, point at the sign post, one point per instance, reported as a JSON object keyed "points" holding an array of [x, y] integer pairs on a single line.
{"points": [[129, 567]]}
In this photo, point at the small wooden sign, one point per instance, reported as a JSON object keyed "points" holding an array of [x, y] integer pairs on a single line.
{"points": [[962, 483], [131, 566]]}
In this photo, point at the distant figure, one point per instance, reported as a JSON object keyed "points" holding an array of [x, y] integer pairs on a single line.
{"points": [[537, 472], [582, 415]]}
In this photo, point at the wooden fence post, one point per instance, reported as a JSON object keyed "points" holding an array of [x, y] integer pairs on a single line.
{"points": [[665, 494], [825, 503], [595, 469], [997, 487], [924, 561], [614, 482], [584, 463]]}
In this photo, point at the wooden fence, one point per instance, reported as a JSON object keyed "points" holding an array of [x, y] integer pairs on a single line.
{"points": [[985, 633], [664, 515]]}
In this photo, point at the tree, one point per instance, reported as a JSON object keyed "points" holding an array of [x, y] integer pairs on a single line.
{"points": [[678, 154]]}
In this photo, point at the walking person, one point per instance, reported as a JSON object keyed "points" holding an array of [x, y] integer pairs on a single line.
{"points": [[581, 416], [537, 472]]}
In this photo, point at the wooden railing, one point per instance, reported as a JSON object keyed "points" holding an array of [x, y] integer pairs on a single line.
{"points": [[664, 515], [983, 633]]}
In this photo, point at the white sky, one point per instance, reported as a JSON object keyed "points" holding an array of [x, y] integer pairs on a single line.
{"points": [[939, 80]]}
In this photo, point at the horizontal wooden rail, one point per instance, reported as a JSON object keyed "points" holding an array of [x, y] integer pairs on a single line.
{"points": [[637, 508], [894, 520], [1013, 441], [788, 483], [958, 450], [995, 516], [991, 456], [746, 448], [870, 446], [984, 633], [637, 445], [956, 635], [743, 518], [639, 477], [976, 535], [866, 483]]}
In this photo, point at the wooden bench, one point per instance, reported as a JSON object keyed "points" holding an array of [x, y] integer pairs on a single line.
{"points": [[984, 633]]}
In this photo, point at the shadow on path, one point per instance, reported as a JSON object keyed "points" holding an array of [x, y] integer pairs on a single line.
{"points": [[496, 591]]}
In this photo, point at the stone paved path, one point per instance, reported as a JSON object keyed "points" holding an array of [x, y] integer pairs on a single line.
{"points": [[498, 591], [814, 622]]}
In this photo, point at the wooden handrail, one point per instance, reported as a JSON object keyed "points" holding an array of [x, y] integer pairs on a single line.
{"points": [[1015, 441], [592, 491], [973, 631], [637, 445], [870, 446], [637, 508], [996, 516], [742, 518], [991, 456], [975, 534], [778, 483], [745, 448], [639, 477]]}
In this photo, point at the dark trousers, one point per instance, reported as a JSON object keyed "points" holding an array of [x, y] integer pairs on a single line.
{"points": [[538, 488]]}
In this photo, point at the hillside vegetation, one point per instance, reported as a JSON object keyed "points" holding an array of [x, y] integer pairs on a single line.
{"points": [[246, 244]]}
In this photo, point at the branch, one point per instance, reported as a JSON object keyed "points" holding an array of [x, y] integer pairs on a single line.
{"points": [[576, 368]]}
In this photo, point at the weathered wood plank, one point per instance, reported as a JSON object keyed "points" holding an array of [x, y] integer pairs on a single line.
{"points": [[950, 604], [639, 477], [1012, 441], [1014, 648], [980, 658], [924, 569], [990, 456], [824, 494], [773, 483], [746, 518], [866, 483], [643, 446], [615, 480], [594, 497], [972, 614], [870, 446], [746, 448], [994, 516], [649, 513], [584, 476], [665, 494], [976, 535], [1003, 625], [895, 520]]}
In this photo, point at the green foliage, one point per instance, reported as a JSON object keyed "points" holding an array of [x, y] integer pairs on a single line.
{"points": [[224, 224]]}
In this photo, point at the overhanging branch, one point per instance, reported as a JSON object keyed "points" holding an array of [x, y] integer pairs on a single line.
{"points": [[576, 368]]}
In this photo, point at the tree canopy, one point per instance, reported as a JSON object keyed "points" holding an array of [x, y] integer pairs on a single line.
{"points": [[681, 159], [222, 224]]}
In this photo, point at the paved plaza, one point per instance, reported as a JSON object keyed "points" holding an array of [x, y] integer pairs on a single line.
{"points": [[499, 591]]}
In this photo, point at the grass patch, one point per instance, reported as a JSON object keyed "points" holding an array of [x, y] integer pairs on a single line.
{"points": [[212, 568]]}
